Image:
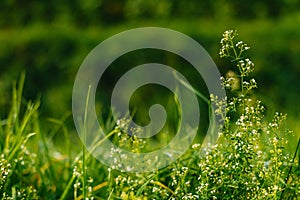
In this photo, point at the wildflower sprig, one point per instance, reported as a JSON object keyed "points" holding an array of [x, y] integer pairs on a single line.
{"points": [[242, 150], [230, 49]]}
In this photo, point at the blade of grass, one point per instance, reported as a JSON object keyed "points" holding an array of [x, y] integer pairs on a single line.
{"points": [[84, 170], [31, 109], [65, 193], [19, 138], [101, 141], [17, 100], [12, 122], [108, 198], [142, 188], [212, 118], [17, 147], [59, 122], [290, 170], [189, 87]]}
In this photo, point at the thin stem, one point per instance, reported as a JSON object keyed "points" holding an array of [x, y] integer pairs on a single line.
{"points": [[64, 195], [101, 141], [191, 88], [84, 170]]}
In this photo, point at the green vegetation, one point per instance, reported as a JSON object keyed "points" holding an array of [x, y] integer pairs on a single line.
{"points": [[250, 160], [257, 157]]}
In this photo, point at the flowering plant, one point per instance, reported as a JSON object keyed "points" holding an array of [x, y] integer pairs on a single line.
{"points": [[248, 162]]}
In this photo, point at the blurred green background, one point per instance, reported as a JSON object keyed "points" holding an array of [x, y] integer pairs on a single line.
{"points": [[50, 39]]}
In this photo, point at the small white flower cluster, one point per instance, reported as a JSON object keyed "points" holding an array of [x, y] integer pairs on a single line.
{"points": [[125, 141], [190, 196], [127, 136], [227, 43], [78, 184], [228, 48], [76, 172], [242, 46], [196, 146], [5, 170], [245, 67]]}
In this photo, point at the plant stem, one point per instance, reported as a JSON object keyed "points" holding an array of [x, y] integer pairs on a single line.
{"points": [[64, 195], [84, 172]]}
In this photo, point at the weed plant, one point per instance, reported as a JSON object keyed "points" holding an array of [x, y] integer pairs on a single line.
{"points": [[249, 161]]}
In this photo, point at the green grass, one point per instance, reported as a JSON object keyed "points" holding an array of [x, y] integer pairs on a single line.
{"points": [[250, 161]]}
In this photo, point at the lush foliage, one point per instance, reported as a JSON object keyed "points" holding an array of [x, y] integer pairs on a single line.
{"points": [[249, 161]]}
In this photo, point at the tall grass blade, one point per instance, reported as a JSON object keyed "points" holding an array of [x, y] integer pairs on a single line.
{"points": [[84, 168]]}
